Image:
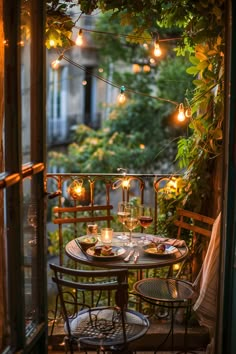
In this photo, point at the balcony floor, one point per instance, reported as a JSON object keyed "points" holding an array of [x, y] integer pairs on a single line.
{"points": [[197, 339]]}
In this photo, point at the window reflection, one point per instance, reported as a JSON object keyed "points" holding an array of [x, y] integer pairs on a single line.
{"points": [[30, 255], [24, 44]]}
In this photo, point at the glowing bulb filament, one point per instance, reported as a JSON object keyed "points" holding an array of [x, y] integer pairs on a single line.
{"points": [[79, 39], [56, 63], [181, 114], [157, 50], [121, 97], [52, 43], [125, 184]]}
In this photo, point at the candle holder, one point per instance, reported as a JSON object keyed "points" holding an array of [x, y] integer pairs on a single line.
{"points": [[106, 235]]}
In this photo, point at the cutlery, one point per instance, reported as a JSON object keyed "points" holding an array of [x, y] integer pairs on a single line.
{"points": [[136, 255], [126, 259]]}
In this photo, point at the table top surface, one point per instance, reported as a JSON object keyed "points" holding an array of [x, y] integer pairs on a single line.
{"points": [[145, 261]]}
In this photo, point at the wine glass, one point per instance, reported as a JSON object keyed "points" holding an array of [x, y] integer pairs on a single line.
{"points": [[145, 217], [131, 222], [122, 213]]}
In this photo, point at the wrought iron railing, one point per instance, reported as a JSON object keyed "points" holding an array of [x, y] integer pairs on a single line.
{"points": [[76, 198]]}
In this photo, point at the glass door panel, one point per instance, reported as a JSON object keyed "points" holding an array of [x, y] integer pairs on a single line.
{"points": [[31, 253], [25, 57]]}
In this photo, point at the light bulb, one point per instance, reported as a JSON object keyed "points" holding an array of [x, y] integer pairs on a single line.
{"points": [[52, 43], [56, 63], [157, 50], [125, 183], [121, 97], [79, 39], [188, 112], [181, 115]]}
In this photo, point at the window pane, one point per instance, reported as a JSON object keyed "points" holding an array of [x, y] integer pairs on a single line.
{"points": [[24, 43], [30, 236], [5, 331]]}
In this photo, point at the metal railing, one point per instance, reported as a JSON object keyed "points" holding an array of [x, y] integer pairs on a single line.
{"points": [[74, 194]]}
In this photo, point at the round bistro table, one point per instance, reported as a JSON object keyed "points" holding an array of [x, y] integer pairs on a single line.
{"points": [[144, 261]]}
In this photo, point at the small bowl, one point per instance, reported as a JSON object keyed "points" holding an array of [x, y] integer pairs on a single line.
{"points": [[87, 241]]}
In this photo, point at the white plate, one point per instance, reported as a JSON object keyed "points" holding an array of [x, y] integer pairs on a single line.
{"points": [[152, 251], [117, 252]]}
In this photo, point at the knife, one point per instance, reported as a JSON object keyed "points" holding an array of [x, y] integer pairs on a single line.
{"points": [[126, 259]]}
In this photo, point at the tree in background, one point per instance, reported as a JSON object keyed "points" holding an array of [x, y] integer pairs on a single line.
{"points": [[140, 134]]}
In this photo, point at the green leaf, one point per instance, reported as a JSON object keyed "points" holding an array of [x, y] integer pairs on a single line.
{"points": [[193, 70], [194, 60], [198, 83], [202, 65]]}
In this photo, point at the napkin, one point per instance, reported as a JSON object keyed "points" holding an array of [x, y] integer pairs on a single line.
{"points": [[169, 241]]}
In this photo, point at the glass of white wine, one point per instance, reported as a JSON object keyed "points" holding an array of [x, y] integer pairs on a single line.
{"points": [[131, 222], [123, 212]]}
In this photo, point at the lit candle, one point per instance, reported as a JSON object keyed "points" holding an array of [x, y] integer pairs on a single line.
{"points": [[106, 235]]}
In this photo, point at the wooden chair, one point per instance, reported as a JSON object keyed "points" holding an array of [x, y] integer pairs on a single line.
{"points": [[79, 214], [173, 293], [88, 325], [196, 229]]}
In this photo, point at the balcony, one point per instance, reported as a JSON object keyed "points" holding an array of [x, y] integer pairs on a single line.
{"points": [[96, 199]]}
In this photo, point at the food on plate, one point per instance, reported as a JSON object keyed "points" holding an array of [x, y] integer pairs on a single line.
{"points": [[88, 239], [161, 247], [97, 250], [103, 251], [107, 251]]}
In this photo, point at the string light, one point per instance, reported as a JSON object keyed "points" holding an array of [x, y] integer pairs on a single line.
{"points": [[79, 39], [52, 43], [126, 183], [181, 114], [122, 97], [157, 50], [188, 112], [89, 72], [129, 36], [184, 112], [56, 63]]}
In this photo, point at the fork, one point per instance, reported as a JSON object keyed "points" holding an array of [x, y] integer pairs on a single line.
{"points": [[129, 255], [136, 255]]}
